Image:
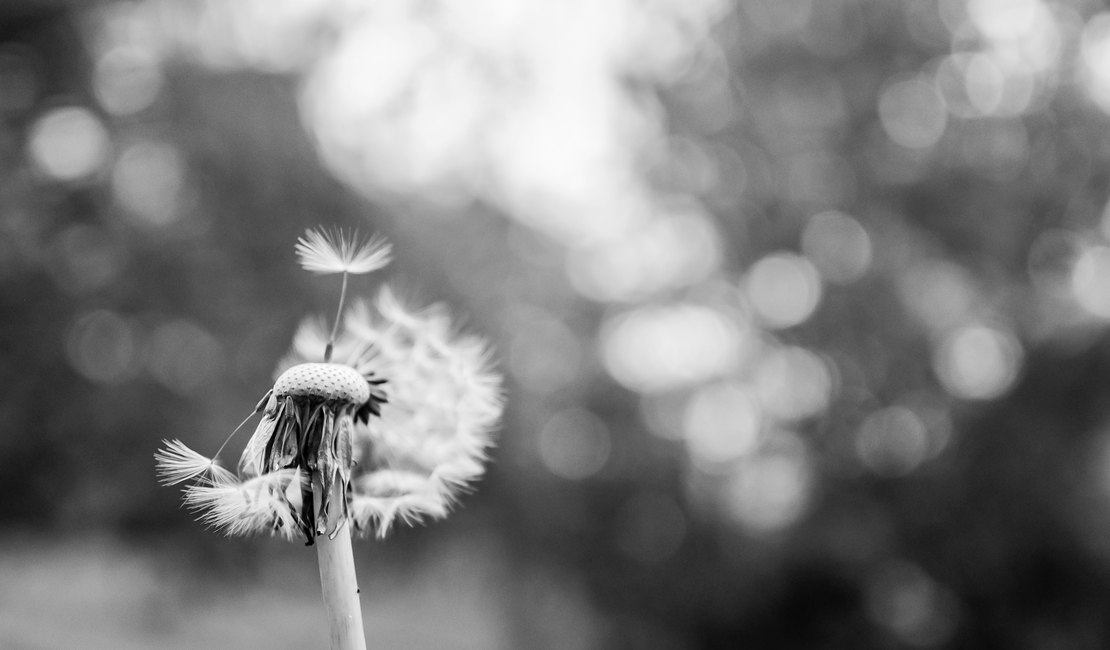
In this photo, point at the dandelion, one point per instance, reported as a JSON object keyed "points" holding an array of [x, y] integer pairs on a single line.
{"points": [[385, 418]]}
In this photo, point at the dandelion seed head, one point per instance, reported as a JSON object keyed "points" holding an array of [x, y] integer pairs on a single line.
{"points": [[387, 419], [327, 381]]}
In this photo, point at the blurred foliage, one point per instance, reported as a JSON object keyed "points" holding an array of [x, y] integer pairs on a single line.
{"points": [[802, 304]]}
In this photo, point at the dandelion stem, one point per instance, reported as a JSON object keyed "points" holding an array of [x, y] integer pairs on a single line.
{"points": [[340, 587], [338, 316]]}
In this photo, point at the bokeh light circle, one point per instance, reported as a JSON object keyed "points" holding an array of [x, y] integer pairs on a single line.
{"points": [[574, 444], [913, 113], [69, 143], [148, 179], [126, 80], [977, 361], [722, 422], [770, 491], [838, 246], [783, 289], [102, 346], [662, 347], [1089, 280], [892, 441], [793, 383], [917, 609]]}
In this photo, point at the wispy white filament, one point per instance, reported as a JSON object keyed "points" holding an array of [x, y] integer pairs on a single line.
{"points": [[176, 463], [242, 508], [325, 252]]}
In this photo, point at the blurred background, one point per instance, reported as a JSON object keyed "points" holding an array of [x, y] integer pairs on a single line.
{"points": [[803, 308]]}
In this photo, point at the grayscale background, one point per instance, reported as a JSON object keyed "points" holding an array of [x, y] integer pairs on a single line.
{"points": [[802, 305]]}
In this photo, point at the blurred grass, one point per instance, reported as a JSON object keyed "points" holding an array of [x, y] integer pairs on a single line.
{"points": [[104, 594]]}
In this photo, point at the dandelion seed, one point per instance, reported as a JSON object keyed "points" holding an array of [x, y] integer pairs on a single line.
{"points": [[258, 504], [177, 464], [334, 252]]}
